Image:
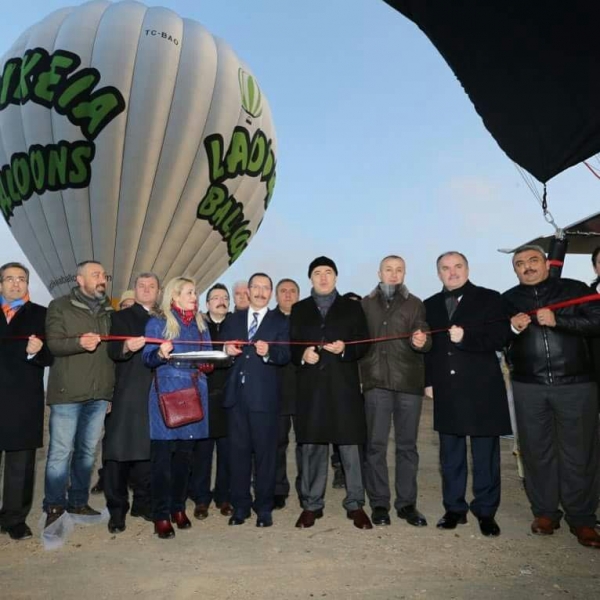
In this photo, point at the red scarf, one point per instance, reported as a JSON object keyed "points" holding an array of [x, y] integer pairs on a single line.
{"points": [[10, 309], [187, 316]]}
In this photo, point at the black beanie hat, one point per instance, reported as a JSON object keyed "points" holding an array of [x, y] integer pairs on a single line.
{"points": [[321, 261]]}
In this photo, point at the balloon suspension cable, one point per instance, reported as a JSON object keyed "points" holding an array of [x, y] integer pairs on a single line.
{"points": [[558, 231]]}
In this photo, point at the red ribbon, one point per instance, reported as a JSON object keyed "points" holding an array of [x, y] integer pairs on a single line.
{"points": [[123, 338]]}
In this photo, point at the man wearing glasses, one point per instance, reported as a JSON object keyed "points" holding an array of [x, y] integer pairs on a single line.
{"points": [[23, 356]]}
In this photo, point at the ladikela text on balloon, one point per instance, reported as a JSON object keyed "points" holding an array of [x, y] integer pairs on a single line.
{"points": [[246, 155], [44, 168], [48, 80]]}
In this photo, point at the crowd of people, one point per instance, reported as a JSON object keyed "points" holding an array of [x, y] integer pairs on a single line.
{"points": [[338, 369]]}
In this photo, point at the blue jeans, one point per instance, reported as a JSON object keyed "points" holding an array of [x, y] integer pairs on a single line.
{"points": [[75, 430]]}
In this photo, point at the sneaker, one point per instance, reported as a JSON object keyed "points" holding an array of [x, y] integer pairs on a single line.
{"points": [[53, 514], [86, 510]]}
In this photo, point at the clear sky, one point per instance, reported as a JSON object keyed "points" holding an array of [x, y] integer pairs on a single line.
{"points": [[380, 150]]}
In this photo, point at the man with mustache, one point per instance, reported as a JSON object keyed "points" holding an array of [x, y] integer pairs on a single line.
{"points": [[555, 396], [80, 387], [463, 375], [217, 304], [252, 399]]}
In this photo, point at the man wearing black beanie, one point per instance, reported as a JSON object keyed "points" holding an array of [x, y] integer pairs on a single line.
{"points": [[330, 408]]}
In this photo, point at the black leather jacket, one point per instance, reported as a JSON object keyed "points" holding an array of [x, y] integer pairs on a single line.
{"points": [[552, 355]]}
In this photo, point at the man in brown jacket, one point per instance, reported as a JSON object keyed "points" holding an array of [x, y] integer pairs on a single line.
{"points": [[393, 380]]}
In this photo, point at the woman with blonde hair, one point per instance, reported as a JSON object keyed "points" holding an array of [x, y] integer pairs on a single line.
{"points": [[177, 322]]}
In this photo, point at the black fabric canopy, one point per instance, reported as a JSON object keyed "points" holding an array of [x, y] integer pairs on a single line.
{"points": [[530, 67]]}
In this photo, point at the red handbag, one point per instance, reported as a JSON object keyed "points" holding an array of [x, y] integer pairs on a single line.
{"points": [[180, 407]]}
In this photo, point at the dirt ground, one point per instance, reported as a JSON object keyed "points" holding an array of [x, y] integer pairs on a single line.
{"points": [[332, 560]]}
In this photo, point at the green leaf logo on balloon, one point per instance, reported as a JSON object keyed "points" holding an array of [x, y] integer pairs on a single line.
{"points": [[251, 94]]}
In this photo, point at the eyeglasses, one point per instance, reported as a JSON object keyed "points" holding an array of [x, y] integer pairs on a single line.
{"points": [[17, 279], [262, 288]]}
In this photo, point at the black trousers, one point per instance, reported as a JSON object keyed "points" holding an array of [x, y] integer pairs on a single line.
{"points": [[485, 452], [252, 432], [558, 439], [17, 494], [200, 480], [117, 477], [282, 484], [170, 467]]}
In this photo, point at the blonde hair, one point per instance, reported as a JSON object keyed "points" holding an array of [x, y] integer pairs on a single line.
{"points": [[172, 289]]}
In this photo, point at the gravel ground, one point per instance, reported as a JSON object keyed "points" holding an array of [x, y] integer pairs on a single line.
{"points": [[332, 560]]}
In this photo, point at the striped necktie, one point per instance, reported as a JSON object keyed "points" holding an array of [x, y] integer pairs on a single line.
{"points": [[253, 326]]}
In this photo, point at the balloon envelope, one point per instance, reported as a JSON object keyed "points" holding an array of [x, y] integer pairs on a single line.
{"points": [[530, 68], [132, 137]]}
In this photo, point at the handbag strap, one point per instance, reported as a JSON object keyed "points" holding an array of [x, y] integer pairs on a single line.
{"points": [[155, 379]]}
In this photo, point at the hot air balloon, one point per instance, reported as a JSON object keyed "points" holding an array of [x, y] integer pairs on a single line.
{"points": [[530, 69], [134, 137]]}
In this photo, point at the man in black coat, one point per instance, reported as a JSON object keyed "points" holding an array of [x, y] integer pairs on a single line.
{"points": [[556, 401], [23, 356], [287, 293], [330, 407], [126, 449], [463, 375], [217, 304]]}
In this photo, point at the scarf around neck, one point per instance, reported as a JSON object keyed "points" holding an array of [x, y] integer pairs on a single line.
{"points": [[186, 316], [324, 301], [11, 308]]}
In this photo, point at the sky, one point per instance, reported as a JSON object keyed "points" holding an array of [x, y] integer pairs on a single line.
{"points": [[380, 150]]}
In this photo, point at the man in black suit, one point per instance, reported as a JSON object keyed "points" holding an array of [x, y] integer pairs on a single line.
{"points": [[463, 376], [126, 448], [22, 362], [252, 397]]}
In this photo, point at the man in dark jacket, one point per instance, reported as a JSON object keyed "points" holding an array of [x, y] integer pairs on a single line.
{"points": [[80, 387], [330, 407], [126, 450], [23, 356], [287, 293], [469, 394], [217, 304], [556, 400], [393, 380]]}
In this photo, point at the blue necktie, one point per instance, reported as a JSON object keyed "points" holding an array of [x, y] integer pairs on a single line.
{"points": [[253, 326]]}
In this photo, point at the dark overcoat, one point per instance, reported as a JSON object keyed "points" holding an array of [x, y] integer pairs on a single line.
{"points": [[127, 429], [329, 406], [469, 394], [22, 380], [216, 383]]}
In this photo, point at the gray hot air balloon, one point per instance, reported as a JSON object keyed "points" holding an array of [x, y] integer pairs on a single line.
{"points": [[134, 137]]}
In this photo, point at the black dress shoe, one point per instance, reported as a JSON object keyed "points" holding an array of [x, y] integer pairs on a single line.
{"points": [[412, 516], [141, 512], [380, 516], [279, 502], [488, 526], [20, 531], [116, 524], [451, 519], [237, 519], [265, 520], [339, 479]]}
